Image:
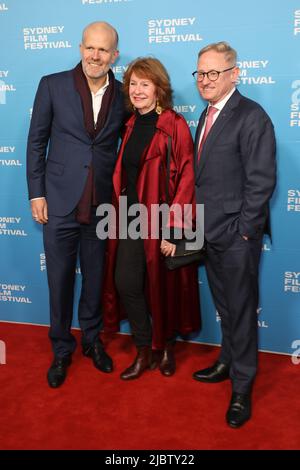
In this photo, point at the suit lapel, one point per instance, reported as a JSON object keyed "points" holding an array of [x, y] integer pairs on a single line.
{"points": [[224, 116], [77, 106], [112, 111]]}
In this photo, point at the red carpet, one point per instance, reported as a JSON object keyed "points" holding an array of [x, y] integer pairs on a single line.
{"points": [[93, 410]]}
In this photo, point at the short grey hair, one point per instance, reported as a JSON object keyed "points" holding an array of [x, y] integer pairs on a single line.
{"points": [[222, 47]]}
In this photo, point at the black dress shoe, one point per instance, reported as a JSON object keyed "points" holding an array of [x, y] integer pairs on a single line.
{"points": [[100, 358], [58, 371], [239, 410], [217, 373]]}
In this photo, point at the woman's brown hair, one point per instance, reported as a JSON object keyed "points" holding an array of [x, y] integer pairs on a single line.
{"points": [[152, 69]]}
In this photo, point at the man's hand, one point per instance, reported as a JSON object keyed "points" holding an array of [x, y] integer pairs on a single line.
{"points": [[167, 248], [39, 210]]}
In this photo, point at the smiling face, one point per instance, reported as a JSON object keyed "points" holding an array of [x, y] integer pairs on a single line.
{"points": [[98, 52], [216, 91], [142, 93]]}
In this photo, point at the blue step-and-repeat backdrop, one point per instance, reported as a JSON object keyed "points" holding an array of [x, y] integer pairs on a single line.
{"points": [[39, 37]]}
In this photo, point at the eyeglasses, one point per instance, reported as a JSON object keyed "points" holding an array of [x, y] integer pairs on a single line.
{"points": [[212, 75]]}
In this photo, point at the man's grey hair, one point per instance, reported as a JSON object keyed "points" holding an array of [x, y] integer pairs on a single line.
{"points": [[222, 47]]}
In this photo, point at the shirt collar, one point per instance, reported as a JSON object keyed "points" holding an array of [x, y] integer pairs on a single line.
{"points": [[220, 105], [103, 88]]}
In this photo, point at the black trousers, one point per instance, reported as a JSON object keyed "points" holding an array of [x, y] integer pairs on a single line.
{"points": [[233, 280], [130, 278], [64, 238]]}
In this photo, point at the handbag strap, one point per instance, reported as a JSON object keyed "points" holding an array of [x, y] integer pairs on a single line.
{"points": [[168, 168]]}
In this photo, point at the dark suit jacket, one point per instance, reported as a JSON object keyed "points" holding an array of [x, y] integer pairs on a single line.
{"points": [[57, 130], [237, 171]]}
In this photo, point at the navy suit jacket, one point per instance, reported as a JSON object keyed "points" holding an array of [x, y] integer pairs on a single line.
{"points": [[236, 174], [60, 150]]}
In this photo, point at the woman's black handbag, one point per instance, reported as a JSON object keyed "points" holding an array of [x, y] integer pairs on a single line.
{"points": [[182, 257]]}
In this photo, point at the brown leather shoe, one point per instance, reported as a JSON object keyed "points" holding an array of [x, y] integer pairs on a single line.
{"points": [[167, 364], [144, 360]]}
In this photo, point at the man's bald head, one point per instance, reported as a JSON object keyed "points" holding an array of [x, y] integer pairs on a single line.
{"points": [[98, 52], [102, 26]]}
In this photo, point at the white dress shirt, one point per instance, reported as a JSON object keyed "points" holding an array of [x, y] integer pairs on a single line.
{"points": [[220, 105], [97, 99]]}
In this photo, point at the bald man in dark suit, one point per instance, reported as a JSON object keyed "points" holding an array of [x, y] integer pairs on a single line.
{"points": [[72, 150]]}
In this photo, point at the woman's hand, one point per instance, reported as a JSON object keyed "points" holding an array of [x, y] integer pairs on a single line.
{"points": [[167, 248]]}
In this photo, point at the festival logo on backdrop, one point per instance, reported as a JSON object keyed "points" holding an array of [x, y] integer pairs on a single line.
{"points": [[296, 354], [293, 200], [6, 157], [15, 293], [260, 321], [119, 71], [11, 227], [292, 282], [254, 72], [45, 37], [170, 30], [5, 86], [43, 264], [295, 105], [187, 110]]}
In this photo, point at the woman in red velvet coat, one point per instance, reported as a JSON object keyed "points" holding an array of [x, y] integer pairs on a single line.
{"points": [[158, 303]]}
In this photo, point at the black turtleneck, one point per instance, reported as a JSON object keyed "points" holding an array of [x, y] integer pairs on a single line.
{"points": [[142, 133]]}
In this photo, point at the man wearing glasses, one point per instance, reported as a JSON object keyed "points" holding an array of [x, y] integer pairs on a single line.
{"points": [[235, 177]]}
